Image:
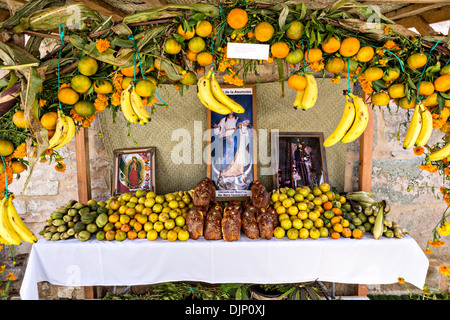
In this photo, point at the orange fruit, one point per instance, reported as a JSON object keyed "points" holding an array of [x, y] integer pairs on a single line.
{"points": [[357, 233], [125, 227], [295, 30], [416, 60], [19, 120], [18, 167], [103, 86], [337, 211], [80, 83], [48, 120], [442, 83], [313, 55], [391, 74], [297, 82], [189, 78], [186, 34], [110, 235], [196, 44], [6, 148], [295, 56], [335, 65], [68, 96], [346, 232], [335, 235], [126, 82], [396, 91], [431, 100], [137, 226], [84, 108], [113, 218], [380, 99], [328, 205], [365, 54], [87, 66], [264, 31], [404, 104], [131, 234], [172, 46], [191, 55], [129, 72], [353, 65], [349, 47], [338, 227], [145, 88], [237, 18], [279, 50], [425, 88], [331, 45], [373, 73], [203, 28], [335, 220], [204, 58]]}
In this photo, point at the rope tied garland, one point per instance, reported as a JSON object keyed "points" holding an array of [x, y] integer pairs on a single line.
{"points": [[6, 178], [424, 68], [61, 36], [136, 53], [212, 40]]}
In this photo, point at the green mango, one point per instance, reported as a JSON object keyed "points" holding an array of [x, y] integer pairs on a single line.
{"points": [[101, 220]]}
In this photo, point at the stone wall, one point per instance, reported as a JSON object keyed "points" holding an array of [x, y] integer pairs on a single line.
{"points": [[393, 170]]}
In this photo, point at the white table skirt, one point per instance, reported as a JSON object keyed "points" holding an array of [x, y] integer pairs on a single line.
{"points": [[140, 261]]}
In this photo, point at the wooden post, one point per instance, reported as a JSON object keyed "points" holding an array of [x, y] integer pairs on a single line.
{"points": [[83, 180]]}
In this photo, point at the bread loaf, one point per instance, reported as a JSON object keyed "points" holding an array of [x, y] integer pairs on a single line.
{"points": [[265, 223], [259, 195], [204, 193], [249, 224], [231, 222], [213, 223], [194, 221]]}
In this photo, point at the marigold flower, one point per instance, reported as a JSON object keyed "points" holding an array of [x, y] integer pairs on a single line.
{"points": [[42, 103], [10, 276], [335, 80], [436, 243], [102, 45], [9, 177], [101, 102], [64, 85], [316, 66], [428, 251], [391, 45], [401, 280], [387, 29], [250, 34], [20, 152], [60, 167], [115, 99], [418, 151], [2, 268], [444, 270], [447, 171]]}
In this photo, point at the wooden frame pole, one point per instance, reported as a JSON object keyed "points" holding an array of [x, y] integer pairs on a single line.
{"points": [[84, 180]]}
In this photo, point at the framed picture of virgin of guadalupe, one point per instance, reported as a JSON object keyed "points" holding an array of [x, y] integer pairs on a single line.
{"points": [[134, 169], [231, 149]]}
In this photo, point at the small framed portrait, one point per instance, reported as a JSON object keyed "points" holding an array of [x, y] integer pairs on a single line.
{"points": [[301, 159], [231, 148], [134, 169]]}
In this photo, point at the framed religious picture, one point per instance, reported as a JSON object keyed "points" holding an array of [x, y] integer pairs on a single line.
{"points": [[231, 148], [300, 161], [134, 169]]}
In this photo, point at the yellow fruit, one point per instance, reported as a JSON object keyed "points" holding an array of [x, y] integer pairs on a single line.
{"points": [[335, 65], [186, 34], [145, 88], [297, 82], [205, 58], [126, 82], [445, 70], [191, 55], [279, 50], [264, 31], [19, 120], [404, 104], [295, 31], [426, 88], [183, 235], [103, 86], [152, 235], [292, 233], [84, 108], [6, 148], [380, 99], [391, 74], [331, 45], [416, 60], [48, 120], [313, 55], [353, 65], [373, 73], [303, 233], [189, 78], [196, 44], [87, 66], [365, 54], [68, 96], [294, 56], [396, 91], [349, 47], [172, 46], [80, 83], [279, 232], [203, 28], [237, 18], [442, 83], [18, 167], [431, 100]]}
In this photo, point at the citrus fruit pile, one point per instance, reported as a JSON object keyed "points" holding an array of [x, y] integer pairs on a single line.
{"points": [[315, 213]]}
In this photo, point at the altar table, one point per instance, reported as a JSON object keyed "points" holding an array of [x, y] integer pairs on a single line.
{"points": [[141, 262]]}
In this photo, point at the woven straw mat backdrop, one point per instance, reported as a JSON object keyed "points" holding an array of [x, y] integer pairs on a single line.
{"points": [[188, 117]]}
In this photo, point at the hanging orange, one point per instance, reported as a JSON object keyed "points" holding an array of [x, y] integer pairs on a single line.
{"points": [[331, 45], [365, 54], [425, 88], [373, 74], [396, 91], [264, 31], [237, 18], [279, 50], [313, 55], [19, 120], [442, 83], [204, 58], [203, 28], [186, 34], [297, 82], [191, 55], [416, 60], [129, 72], [335, 65], [349, 47]]}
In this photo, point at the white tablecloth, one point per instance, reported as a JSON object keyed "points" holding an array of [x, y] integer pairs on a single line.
{"points": [[140, 261]]}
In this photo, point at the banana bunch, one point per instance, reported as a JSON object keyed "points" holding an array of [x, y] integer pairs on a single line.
{"points": [[420, 127], [344, 124], [12, 228], [64, 132], [307, 98], [133, 107], [212, 96]]}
